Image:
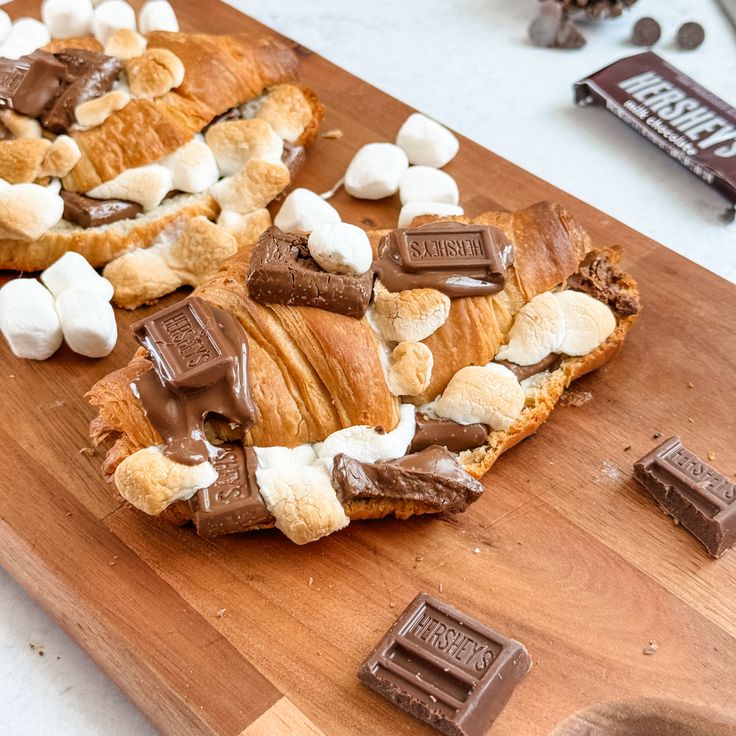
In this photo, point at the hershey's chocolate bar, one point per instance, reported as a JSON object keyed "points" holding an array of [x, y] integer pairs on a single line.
{"points": [[88, 212], [446, 433], [672, 111], [445, 668], [694, 493], [29, 84]]}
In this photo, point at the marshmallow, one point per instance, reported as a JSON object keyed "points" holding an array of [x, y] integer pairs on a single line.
{"points": [[27, 211], [67, 18], [25, 36], [426, 142], [426, 184], [5, 24], [154, 73], [109, 16], [94, 112], [287, 110], [588, 322], [411, 315], [415, 209], [341, 248], [193, 167], [146, 185], [235, 142], [157, 15], [247, 228], [61, 157], [21, 126], [278, 457], [253, 187], [375, 171], [88, 321], [28, 319], [303, 210], [411, 369], [125, 44], [73, 271]]}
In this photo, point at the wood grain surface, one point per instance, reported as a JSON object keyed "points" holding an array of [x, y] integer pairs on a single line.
{"points": [[254, 635]]}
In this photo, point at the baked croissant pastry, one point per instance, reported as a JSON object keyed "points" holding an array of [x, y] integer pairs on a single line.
{"points": [[397, 412]]}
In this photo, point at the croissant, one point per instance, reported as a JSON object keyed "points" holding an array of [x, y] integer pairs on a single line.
{"points": [[313, 372]]}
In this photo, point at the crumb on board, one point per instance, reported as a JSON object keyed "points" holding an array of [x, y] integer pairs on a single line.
{"points": [[310, 582], [38, 648], [690, 384], [334, 133], [221, 613], [627, 448], [650, 649], [574, 397], [476, 551], [656, 435], [711, 455], [441, 588]]}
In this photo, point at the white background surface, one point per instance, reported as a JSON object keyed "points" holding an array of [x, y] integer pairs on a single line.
{"points": [[467, 63]]}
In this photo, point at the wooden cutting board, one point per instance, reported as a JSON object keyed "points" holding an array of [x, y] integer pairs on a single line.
{"points": [[254, 635]]}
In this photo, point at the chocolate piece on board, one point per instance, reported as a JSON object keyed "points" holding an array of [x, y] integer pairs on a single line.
{"points": [[29, 84], [456, 259], [694, 493], [282, 272], [690, 36], [200, 366], [88, 212], [446, 433], [232, 503], [647, 32], [672, 111], [432, 477], [445, 668]]}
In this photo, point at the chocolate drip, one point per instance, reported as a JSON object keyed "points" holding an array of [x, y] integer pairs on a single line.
{"points": [[446, 433], [88, 212], [527, 371]]}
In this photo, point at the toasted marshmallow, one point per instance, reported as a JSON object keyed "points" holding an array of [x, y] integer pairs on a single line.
{"points": [[426, 142], [411, 315], [61, 157], [588, 322], [21, 159], [67, 18], [193, 167], [88, 321], [252, 188], [147, 185], [20, 125], [94, 112], [73, 271], [28, 319], [157, 15], [235, 142], [411, 369], [415, 209], [286, 110], [303, 210], [25, 36], [27, 211], [125, 44], [375, 171], [246, 228], [109, 16], [427, 184], [154, 73], [5, 24], [270, 458], [341, 248]]}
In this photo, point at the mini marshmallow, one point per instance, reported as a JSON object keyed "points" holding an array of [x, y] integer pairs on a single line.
{"points": [[415, 209], [94, 112], [61, 157], [375, 171], [303, 210], [278, 457], [426, 142], [27, 211], [341, 248], [109, 16], [154, 73], [88, 322], [28, 319], [287, 110], [72, 271], [67, 18], [588, 322], [193, 167], [5, 24], [427, 184], [157, 15], [146, 185], [253, 187], [20, 125], [125, 44], [25, 36], [235, 142], [247, 228]]}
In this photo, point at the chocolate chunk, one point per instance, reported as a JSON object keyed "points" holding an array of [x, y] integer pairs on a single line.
{"points": [[199, 356], [458, 260], [29, 84], [294, 157], [646, 32], [432, 477], [88, 212], [232, 503], [282, 272], [544, 28], [446, 433], [599, 277], [523, 372], [569, 36], [232, 114], [690, 36], [89, 74], [445, 668], [694, 493]]}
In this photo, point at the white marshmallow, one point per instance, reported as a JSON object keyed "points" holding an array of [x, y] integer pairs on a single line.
{"points": [[341, 248], [427, 184], [303, 210], [588, 322], [413, 209], [375, 171], [5, 24], [27, 211], [67, 18], [193, 167], [157, 15], [28, 319], [147, 185], [274, 458], [111, 15], [25, 36], [426, 142], [73, 271], [88, 322]]}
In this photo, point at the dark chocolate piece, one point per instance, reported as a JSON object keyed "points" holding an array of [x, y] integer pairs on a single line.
{"points": [[599, 277], [232, 503], [293, 157], [527, 371], [458, 260], [673, 111], [282, 272], [694, 493], [690, 36], [88, 212], [553, 29], [432, 477], [445, 668], [647, 32], [29, 84], [446, 433], [200, 366]]}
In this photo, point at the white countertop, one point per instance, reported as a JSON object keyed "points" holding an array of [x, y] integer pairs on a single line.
{"points": [[467, 63]]}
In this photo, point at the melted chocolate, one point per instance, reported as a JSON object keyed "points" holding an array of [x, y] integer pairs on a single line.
{"points": [[29, 84], [599, 277], [526, 371], [232, 114], [446, 433], [199, 357], [88, 212], [293, 157]]}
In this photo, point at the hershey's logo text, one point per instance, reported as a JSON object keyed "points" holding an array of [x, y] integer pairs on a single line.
{"points": [[709, 478], [230, 483], [425, 249], [191, 343]]}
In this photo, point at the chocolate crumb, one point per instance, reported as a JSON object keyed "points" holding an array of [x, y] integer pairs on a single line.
{"points": [[690, 36], [646, 32], [690, 384], [656, 435], [650, 649], [627, 448]]}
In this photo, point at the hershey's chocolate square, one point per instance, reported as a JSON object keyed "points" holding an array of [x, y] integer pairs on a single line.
{"points": [[29, 84]]}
